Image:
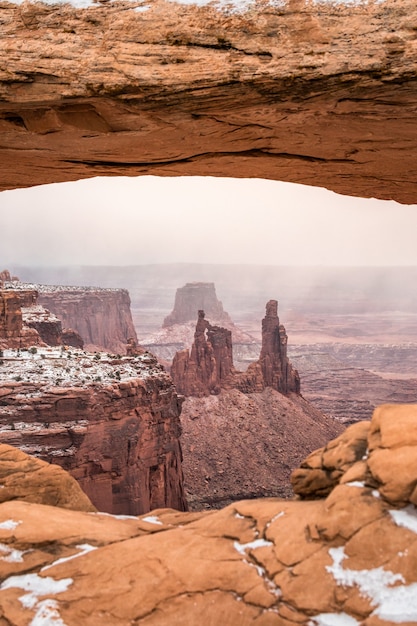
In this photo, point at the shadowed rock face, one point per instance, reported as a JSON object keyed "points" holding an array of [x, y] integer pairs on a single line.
{"points": [[315, 93], [195, 297]]}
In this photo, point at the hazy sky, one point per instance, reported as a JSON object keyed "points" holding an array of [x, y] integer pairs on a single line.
{"points": [[128, 221]]}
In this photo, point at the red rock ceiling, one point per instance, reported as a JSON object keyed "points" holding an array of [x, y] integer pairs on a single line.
{"points": [[317, 94]]}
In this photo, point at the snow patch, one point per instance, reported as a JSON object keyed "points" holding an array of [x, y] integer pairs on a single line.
{"points": [[152, 519], [84, 549], [11, 555], [9, 524], [116, 516], [46, 611], [355, 483], [333, 619], [406, 518], [394, 604], [252, 545]]}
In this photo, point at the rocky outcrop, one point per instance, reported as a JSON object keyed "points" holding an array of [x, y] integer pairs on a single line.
{"points": [[194, 297], [274, 365], [101, 317], [347, 559], [377, 455], [23, 477], [208, 367], [113, 423], [14, 333], [320, 93]]}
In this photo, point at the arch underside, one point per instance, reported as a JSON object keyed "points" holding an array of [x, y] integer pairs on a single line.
{"points": [[299, 95]]}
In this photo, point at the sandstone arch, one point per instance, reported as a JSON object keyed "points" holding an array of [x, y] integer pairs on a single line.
{"points": [[313, 92]]}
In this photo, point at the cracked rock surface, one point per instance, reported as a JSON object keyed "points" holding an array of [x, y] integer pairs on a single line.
{"points": [[348, 559], [321, 93]]}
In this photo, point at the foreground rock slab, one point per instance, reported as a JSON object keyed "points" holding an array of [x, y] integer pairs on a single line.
{"points": [[320, 93], [348, 559]]}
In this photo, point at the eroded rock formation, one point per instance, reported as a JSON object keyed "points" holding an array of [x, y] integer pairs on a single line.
{"points": [[316, 93], [13, 331], [194, 297], [113, 423], [347, 559], [101, 318], [208, 367]]}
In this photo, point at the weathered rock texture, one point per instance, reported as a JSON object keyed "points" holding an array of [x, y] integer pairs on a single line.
{"points": [[113, 423], [348, 559], [14, 332], [380, 454], [208, 367], [101, 317], [191, 299], [23, 477], [320, 93]]}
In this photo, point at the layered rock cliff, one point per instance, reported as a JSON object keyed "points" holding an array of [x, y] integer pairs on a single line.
{"points": [[320, 93], [102, 317], [347, 559], [112, 422]]}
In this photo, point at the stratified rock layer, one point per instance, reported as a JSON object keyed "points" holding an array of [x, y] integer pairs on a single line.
{"points": [[113, 423], [320, 93], [349, 559], [102, 317]]}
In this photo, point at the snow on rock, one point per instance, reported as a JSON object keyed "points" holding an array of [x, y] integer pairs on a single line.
{"points": [[395, 603], [407, 517], [84, 549], [152, 519], [9, 524]]}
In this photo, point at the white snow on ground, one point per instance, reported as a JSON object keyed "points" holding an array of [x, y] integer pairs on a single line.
{"points": [[355, 483], [46, 611], [407, 517], [10, 554], [9, 524], [115, 516], [61, 367], [252, 545], [333, 619], [152, 519], [84, 549], [394, 603]]}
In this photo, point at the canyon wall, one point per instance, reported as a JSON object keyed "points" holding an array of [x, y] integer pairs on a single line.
{"points": [[320, 93], [101, 316], [112, 423]]}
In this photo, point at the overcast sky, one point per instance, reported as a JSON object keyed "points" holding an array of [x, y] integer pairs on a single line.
{"points": [[128, 221]]}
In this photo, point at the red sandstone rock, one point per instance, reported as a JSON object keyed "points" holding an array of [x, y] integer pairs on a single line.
{"points": [[13, 332], [207, 368], [347, 559], [70, 337], [113, 423], [209, 365], [102, 317], [298, 91], [23, 477]]}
